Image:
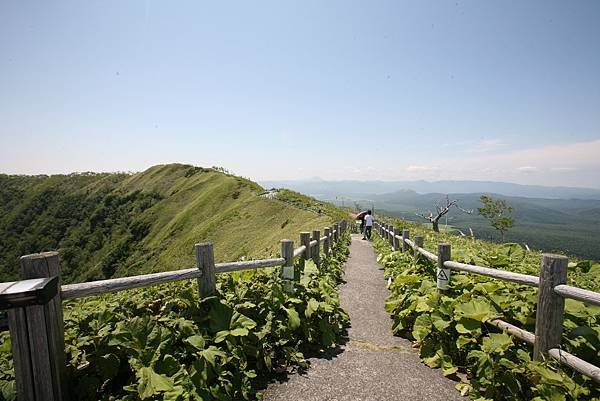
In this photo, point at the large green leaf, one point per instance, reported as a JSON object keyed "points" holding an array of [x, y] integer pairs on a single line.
{"points": [[496, 343], [422, 327], [196, 341], [311, 306], [477, 308], [151, 383], [293, 318]]}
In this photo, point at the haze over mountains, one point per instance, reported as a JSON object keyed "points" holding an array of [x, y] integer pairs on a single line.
{"points": [[331, 189]]}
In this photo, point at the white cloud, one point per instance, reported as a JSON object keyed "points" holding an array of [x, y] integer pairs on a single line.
{"points": [[528, 169], [420, 168], [574, 164]]}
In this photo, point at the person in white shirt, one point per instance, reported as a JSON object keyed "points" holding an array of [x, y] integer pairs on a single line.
{"points": [[368, 225]]}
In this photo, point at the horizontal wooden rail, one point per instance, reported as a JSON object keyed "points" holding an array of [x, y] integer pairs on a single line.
{"points": [[495, 273], [313, 243], [250, 264], [576, 363], [81, 290], [429, 255], [579, 294], [299, 251], [524, 335], [561, 356]]}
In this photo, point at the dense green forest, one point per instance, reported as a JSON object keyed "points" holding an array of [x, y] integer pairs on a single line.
{"points": [[115, 224], [552, 225]]}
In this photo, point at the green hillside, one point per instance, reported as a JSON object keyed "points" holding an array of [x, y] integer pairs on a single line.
{"points": [[117, 224]]}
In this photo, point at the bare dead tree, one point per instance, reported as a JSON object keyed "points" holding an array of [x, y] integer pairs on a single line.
{"points": [[442, 207]]}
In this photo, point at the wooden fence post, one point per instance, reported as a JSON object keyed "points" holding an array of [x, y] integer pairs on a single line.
{"points": [[443, 273], [316, 257], [418, 244], [391, 237], [405, 236], [287, 273], [304, 240], [396, 241], [336, 232], [37, 336], [205, 261], [326, 241], [550, 306]]}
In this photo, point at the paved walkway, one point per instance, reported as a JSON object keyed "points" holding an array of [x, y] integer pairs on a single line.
{"points": [[373, 365]]}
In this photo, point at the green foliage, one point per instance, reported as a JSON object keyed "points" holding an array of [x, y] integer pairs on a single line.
{"points": [[451, 331], [165, 343], [495, 211]]}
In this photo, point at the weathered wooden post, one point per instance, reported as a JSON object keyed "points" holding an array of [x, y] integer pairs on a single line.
{"points": [[396, 240], [443, 273], [37, 336], [316, 257], [336, 232], [418, 244], [326, 241], [205, 260], [405, 236], [287, 273], [391, 237], [304, 240], [550, 306]]}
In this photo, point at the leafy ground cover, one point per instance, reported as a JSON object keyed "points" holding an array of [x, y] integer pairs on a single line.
{"points": [[165, 343], [450, 329]]}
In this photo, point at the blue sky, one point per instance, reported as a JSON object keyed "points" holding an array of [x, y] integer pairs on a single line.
{"points": [[270, 90]]}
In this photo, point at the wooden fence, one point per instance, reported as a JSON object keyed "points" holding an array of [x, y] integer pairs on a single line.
{"points": [[552, 292], [35, 304]]}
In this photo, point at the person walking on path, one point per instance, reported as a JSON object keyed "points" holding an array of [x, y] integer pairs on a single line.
{"points": [[368, 225]]}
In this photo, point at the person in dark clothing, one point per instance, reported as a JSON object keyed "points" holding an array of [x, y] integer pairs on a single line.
{"points": [[368, 225]]}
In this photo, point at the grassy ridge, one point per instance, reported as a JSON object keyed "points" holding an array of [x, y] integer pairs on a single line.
{"points": [[109, 225]]}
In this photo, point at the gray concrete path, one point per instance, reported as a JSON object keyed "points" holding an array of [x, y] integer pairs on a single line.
{"points": [[373, 365]]}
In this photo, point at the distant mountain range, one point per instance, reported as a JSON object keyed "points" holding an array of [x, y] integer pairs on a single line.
{"points": [[557, 219], [332, 189]]}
